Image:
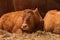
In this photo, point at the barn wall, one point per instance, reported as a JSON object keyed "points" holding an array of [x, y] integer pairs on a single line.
{"points": [[6, 6], [42, 5]]}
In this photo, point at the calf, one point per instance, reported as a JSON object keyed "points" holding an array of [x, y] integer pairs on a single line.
{"points": [[27, 20], [52, 21]]}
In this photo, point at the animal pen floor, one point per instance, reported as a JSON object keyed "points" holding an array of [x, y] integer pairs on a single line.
{"points": [[39, 35]]}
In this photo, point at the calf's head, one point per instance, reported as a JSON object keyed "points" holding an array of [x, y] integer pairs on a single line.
{"points": [[29, 20]]}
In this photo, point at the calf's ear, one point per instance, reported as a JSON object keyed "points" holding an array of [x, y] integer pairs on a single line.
{"points": [[35, 10], [36, 13]]}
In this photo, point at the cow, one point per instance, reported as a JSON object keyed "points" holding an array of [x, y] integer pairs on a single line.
{"points": [[52, 21], [21, 21]]}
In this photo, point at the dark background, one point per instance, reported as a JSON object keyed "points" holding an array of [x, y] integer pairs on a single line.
{"points": [[15, 5]]}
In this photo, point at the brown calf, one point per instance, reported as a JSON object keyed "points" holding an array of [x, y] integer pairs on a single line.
{"points": [[27, 20], [52, 21]]}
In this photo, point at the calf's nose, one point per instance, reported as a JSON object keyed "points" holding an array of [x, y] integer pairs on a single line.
{"points": [[24, 26]]}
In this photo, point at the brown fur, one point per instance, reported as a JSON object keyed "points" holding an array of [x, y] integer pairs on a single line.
{"points": [[19, 21], [52, 21]]}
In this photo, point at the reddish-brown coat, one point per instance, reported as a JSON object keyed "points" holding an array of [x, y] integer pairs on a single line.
{"points": [[13, 21]]}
